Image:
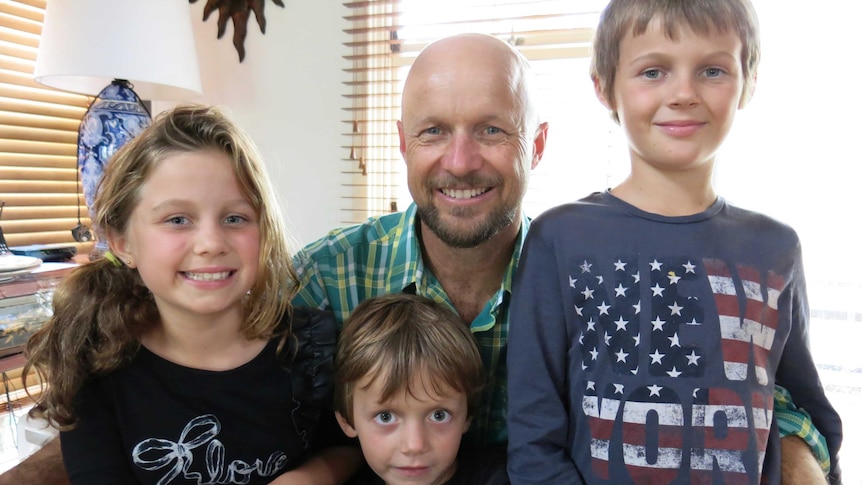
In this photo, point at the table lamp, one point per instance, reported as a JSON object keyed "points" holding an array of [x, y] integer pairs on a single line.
{"points": [[119, 52]]}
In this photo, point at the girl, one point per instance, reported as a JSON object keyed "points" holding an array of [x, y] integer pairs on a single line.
{"points": [[176, 358]]}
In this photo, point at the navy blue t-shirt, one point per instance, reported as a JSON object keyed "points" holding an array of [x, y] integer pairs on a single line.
{"points": [[645, 348]]}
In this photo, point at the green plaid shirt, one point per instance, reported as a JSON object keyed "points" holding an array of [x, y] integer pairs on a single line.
{"points": [[383, 256], [796, 421]]}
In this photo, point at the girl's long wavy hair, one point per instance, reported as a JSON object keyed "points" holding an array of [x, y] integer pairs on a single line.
{"points": [[101, 309]]}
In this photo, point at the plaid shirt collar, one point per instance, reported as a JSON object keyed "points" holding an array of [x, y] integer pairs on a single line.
{"points": [[408, 256]]}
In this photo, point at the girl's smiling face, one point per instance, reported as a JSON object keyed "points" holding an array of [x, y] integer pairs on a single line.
{"points": [[193, 237]]}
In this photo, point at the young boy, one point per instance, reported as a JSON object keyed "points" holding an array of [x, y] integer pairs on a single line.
{"points": [[408, 378], [650, 323]]}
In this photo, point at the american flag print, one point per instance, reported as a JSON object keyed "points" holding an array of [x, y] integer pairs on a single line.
{"points": [[660, 413], [759, 320]]}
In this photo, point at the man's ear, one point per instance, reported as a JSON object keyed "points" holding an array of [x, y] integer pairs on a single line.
{"points": [[402, 145], [539, 143], [345, 426]]}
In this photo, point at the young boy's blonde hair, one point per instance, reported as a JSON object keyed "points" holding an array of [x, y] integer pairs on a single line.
{"points": [[392, 337], [623, 16]]}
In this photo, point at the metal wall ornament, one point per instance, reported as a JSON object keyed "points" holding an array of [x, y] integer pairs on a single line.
{"points": [[238, 11]]}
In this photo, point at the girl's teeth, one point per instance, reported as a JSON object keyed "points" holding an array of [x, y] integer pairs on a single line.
{"points": [[208, 276]]}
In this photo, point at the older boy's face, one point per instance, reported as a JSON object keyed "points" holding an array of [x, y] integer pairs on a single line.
{"points": [[677, 99], [412, 438]]}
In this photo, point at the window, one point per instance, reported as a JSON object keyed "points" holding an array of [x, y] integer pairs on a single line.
{"points": [[791, 154], [386, 37], [38, 138]]}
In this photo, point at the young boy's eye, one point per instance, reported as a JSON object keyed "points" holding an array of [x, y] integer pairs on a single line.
{"points": [[441, 416], [177, 220], [383, 417]]}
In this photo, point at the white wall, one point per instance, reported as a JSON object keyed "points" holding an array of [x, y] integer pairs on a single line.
{"points": [[287, 94]]}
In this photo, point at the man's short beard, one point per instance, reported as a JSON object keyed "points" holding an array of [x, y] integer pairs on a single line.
{"points": [[485, 230]]}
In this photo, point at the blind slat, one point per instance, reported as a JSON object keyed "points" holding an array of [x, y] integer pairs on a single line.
{"points": [[37, 160], [39, 147], [16, 37], [29, 133], [43, 108], [37, 5], [25, 9], [368, 3], [55, 237], [40, 225], [37, 173], [40, 186], [14, 199], [37, 121], [41, 212], [15, 64], [22, 85]]}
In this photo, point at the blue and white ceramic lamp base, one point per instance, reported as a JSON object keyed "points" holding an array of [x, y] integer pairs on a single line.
{"points": [[116, 116]]}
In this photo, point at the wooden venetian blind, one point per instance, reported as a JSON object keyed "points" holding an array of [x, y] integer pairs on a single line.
{"points": [[386, 35], [38, 138]]}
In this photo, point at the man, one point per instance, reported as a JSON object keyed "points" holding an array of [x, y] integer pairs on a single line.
{"points": [[470, 135]]}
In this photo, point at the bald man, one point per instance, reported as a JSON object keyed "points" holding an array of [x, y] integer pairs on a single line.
{"points": [[470, 136]]}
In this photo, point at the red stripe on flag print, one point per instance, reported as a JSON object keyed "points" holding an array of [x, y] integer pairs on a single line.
{"points": [[758, 326], [601, 422]]}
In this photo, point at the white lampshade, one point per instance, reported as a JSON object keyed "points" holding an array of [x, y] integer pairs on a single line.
{"points": [[86, 44]]}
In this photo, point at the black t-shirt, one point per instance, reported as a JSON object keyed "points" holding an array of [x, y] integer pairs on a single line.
{"points": [[476, 466], [153, 421]]}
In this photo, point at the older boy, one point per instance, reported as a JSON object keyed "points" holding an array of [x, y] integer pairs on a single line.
{"points": [[408, 380], [651, 323]]}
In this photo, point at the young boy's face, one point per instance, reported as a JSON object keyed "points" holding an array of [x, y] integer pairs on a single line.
{"points": [[676, 99], [410, 438]]}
